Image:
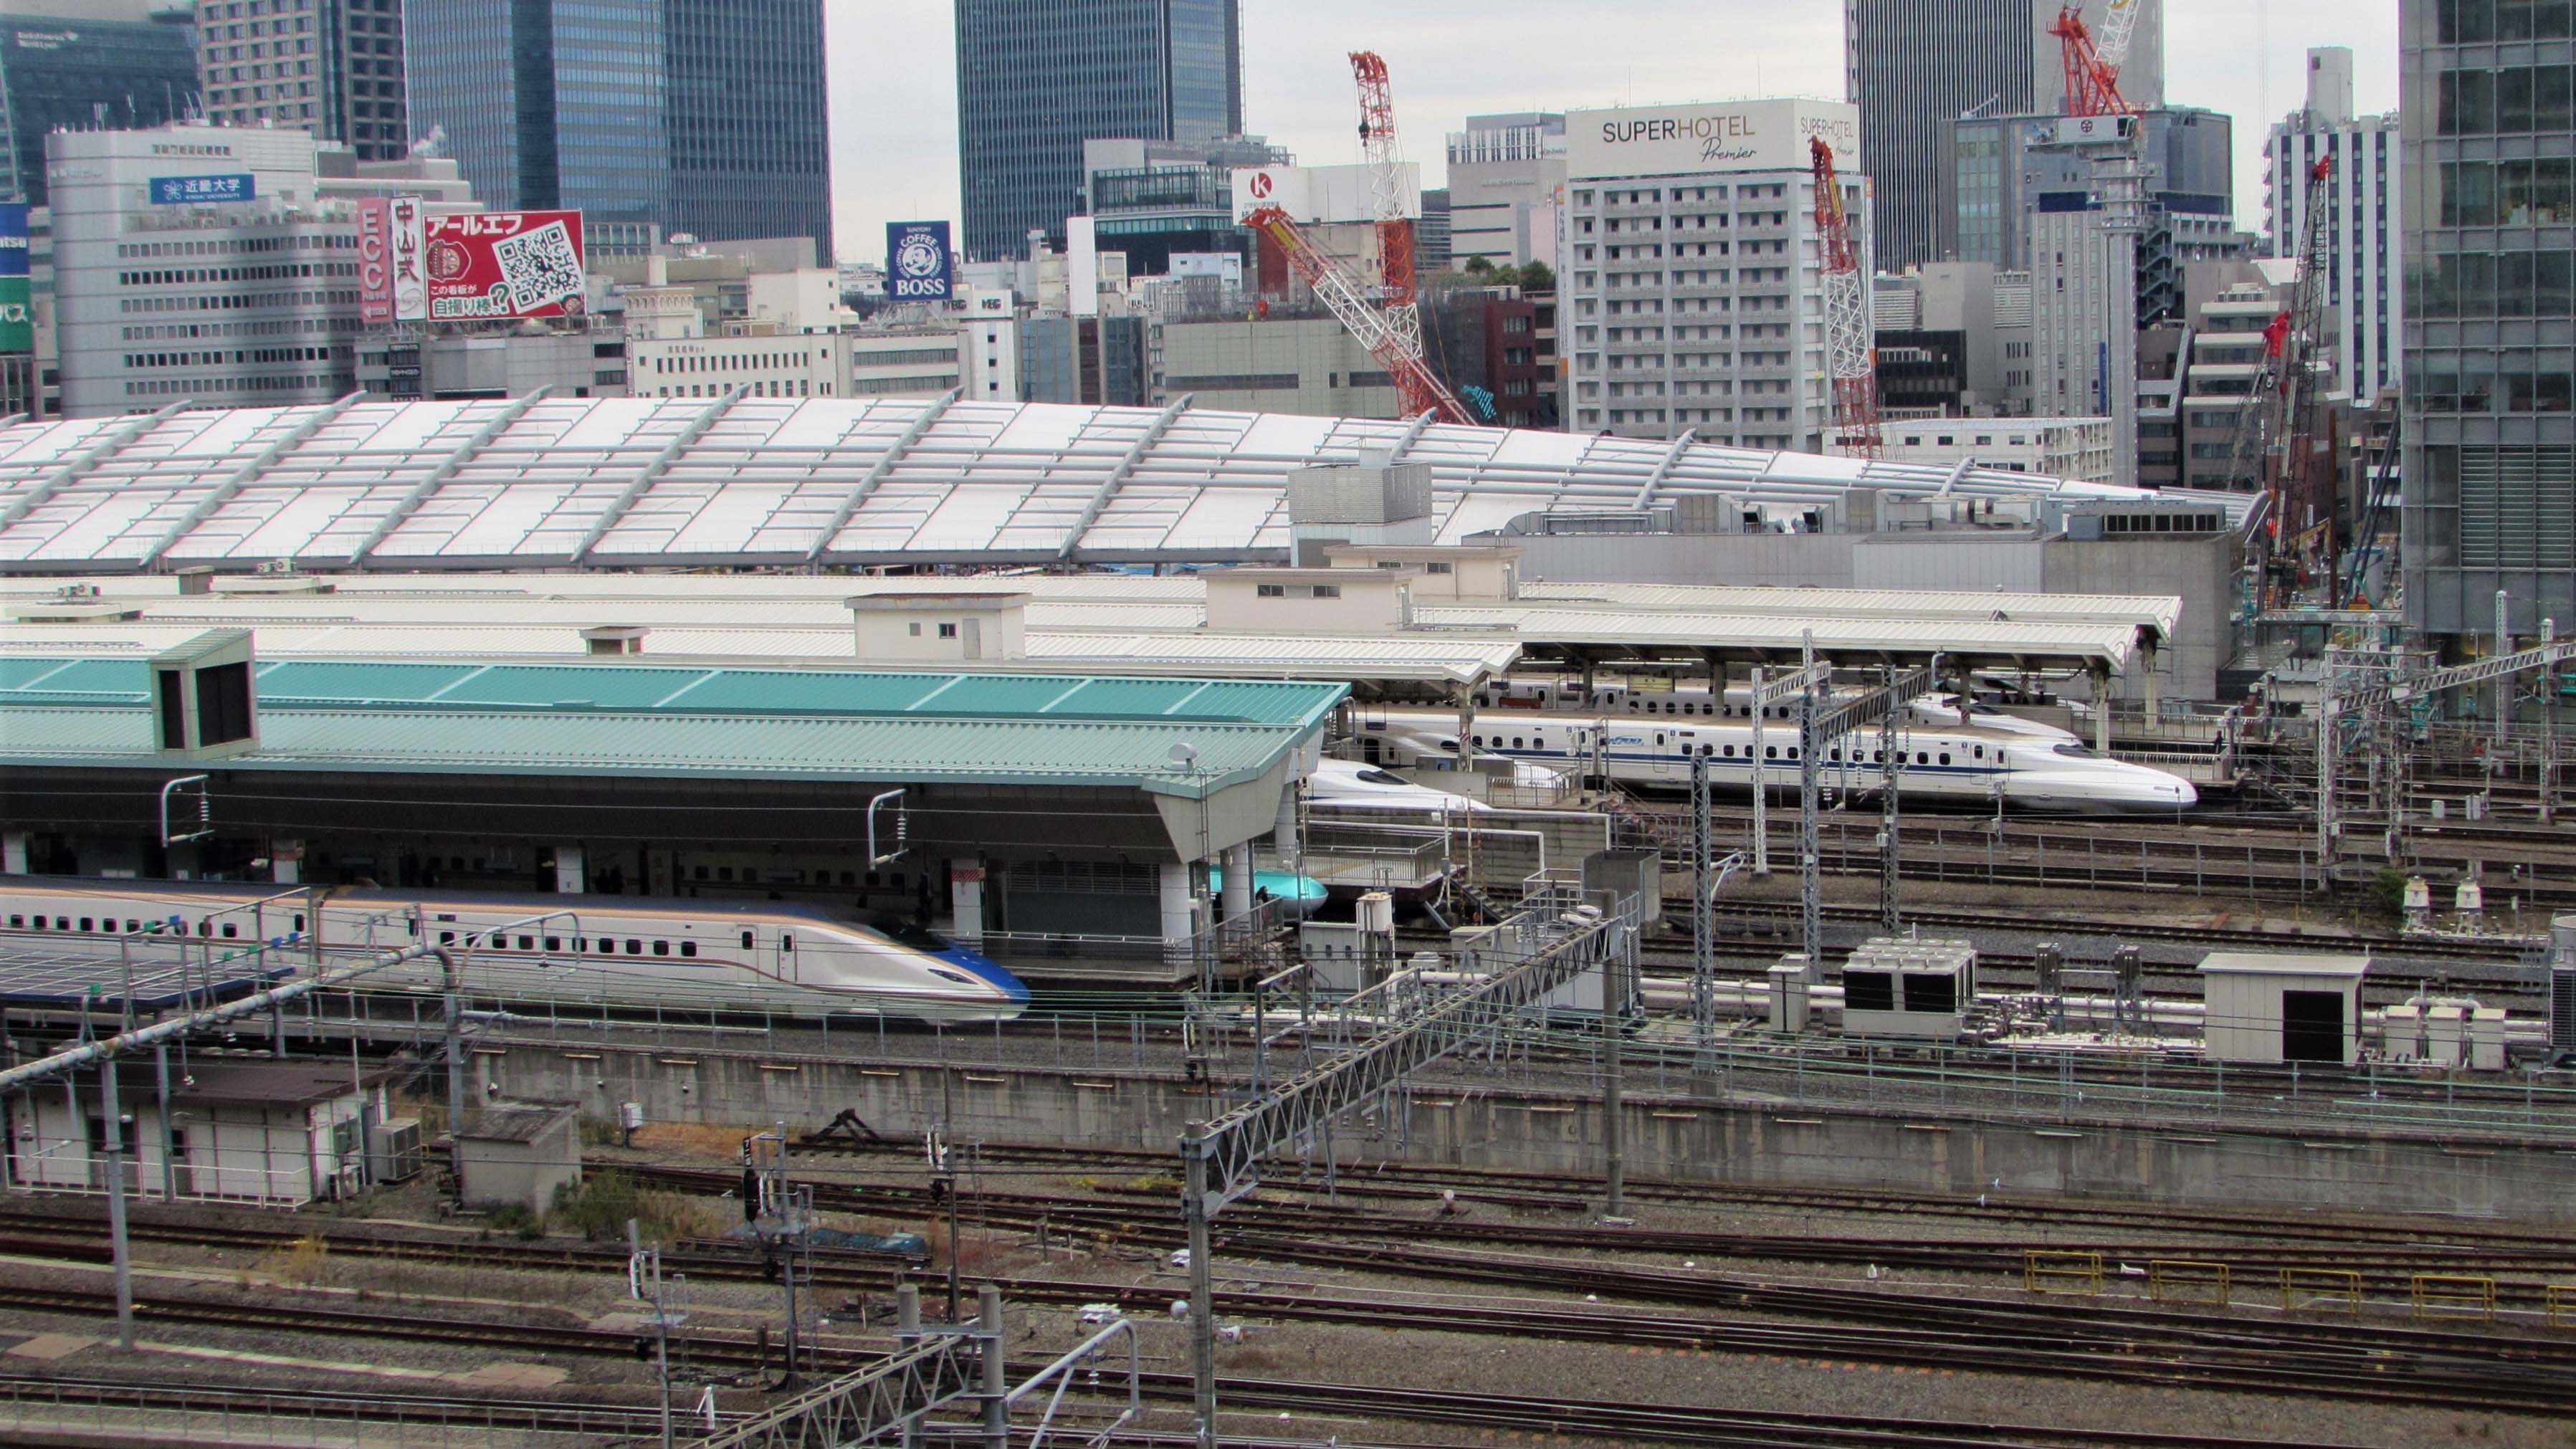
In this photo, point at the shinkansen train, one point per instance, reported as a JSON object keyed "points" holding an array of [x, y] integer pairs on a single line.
{"points": [[1957, 763], [612, 951], [1620, 701]]}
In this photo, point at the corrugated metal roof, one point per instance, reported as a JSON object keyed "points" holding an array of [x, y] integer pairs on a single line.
{"points": [[2160, 612], [1430, 659], [489, 482], [1120, 755], [293, 685], [2111, 644]]}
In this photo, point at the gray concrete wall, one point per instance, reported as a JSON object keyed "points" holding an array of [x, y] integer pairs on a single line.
{"points": [[1671, 1133]]}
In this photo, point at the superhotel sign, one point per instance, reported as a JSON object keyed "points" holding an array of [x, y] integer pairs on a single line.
{"points": [[1724, 136]]}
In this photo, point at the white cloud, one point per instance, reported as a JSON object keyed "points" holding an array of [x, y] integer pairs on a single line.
{"points": [[894, 103]]}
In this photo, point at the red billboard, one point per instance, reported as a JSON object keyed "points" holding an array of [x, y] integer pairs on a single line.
{"points": [[504, 264]]}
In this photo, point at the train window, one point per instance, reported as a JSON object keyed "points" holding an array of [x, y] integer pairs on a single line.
{"points": [[746, 940], [634, 947], [688, 948], [17, 921], [1945, 757], [85, 925], [1477, 740], [724, 872], [1516, 742], [1770, 752], [554, 943], [698, 872], [447, 938], [1730, 752], [1981, 752], [1922, 757], [581, 943], [411, 925], [231, 930], [133, 926], [299, 923], [661, 948], [786, 942], [527, 943], [1659, 739]]}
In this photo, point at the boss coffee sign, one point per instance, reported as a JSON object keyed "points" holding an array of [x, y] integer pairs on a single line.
{"points": [[917, 261]]}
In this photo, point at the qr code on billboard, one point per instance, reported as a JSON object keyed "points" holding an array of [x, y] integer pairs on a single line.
{"points": [[539, 267]]}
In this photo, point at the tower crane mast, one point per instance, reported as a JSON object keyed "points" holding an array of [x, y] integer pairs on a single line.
{"points": [[1398, 303], [1851, 353], [2272, 433], [1399, 354]]}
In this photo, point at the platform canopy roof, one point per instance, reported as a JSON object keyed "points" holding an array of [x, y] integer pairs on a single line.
{"points": [[625, 719], [733, 481]]}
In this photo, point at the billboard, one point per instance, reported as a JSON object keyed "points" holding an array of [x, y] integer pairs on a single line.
{"points": [[917, 261], [17, 320], [392, 266], [485, 265], [199, 190], [1728, 136], [1316, 194]]}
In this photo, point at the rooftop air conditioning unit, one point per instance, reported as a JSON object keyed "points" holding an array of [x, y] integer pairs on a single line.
{"points": [[397, 1156]]}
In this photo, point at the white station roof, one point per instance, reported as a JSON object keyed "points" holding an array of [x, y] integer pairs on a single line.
{"points": [[626, 482]]}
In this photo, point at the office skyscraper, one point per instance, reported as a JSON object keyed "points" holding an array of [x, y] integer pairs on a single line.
{"points": [[331, 67], [2488, 190], [704, 116], [86, 66], [1916, 66], [2363, 291], [1037, 78]]}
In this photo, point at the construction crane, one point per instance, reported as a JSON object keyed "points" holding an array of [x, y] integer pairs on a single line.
{"points": [[1385, 159], [1398, 353], [1851, 353], [2093, 65], [2272, 437]]}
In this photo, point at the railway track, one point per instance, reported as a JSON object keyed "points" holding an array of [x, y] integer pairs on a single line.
{"points": [[2138, 1347], [310, 1406]]}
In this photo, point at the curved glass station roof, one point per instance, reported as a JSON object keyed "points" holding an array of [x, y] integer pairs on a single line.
{"points": [[625, 482]]}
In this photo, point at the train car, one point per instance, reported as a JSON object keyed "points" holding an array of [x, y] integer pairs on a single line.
{"points": [[1299, 896], [1963, 764], [1350, 785], [1619, 701], [624, 952]]}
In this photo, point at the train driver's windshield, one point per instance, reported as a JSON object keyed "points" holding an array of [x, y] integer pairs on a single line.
{"points": [[905, 933]]}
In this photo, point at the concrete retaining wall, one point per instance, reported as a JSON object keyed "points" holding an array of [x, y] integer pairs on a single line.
{"points": [[1670, 1135]]}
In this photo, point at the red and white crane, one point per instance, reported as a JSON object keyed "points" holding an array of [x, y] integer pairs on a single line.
{"points": [[1400, 354], [1851, 351], [2275, 445], [2093, 62], [1398, 305]]}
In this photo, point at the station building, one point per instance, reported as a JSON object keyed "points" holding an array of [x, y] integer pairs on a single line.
{"points": [[1010, 808]]}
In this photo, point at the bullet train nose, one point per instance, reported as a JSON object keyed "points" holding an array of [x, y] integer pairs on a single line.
{"points": [[987, 970]]}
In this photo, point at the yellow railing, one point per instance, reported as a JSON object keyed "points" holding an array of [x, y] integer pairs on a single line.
{"points": [[2188, 1280], [2056, 1272], [2447, 1293]]}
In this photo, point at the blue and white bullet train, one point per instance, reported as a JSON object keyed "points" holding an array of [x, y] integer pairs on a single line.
{"points": [[613, 951], [1963, 763]]}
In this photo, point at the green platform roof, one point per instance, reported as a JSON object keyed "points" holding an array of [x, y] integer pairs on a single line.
{"points": [[645, 720]]}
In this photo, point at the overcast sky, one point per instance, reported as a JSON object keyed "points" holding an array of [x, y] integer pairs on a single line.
{"points": [[894, 91]]}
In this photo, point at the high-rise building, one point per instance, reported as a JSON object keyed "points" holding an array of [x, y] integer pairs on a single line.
{"points": [[1995, 167], [2489, 210], [1691, 290], [331, 67], [706, 117], [1915, 66], [1151, 199], [243, 302], [2364, 287], [84, 64], [1036, 78], [1506, 181]]}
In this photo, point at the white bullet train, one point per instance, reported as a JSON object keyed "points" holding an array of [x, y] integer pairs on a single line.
{"points": [[1969, 764], [624, 952], [1619, 701], [1349, 785]]}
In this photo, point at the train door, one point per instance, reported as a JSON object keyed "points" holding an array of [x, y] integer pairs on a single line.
{"points": [[783, 956]]}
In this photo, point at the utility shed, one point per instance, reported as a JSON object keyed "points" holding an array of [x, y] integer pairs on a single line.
{"points": [[519, 1152], [2282, 1006], [274, 1133]]}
